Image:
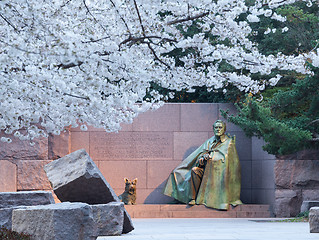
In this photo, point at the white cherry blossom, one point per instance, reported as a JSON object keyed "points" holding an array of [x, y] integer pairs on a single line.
{"points": [[70, 63]]}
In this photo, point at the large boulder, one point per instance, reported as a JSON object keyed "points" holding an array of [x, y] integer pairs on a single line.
{"points": [[61, 221], [108, 218], [25, 198], [76, 178], [314, 219]]}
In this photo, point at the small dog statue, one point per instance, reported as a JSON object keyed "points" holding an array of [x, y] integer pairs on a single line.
{"points": [[129, 194]]}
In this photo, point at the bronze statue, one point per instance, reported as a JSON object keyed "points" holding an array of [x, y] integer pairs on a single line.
{"points": [[210, 175]]}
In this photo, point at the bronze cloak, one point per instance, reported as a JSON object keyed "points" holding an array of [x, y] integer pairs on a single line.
{"points": [[221, 181]]}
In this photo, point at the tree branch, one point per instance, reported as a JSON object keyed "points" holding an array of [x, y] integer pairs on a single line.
{"points": [[88, 10], [123, 20], [144, 34], [10, 24], [138, 39], [71, 95], [139, 18], [188, 18], [95, 40], [69, 65]]}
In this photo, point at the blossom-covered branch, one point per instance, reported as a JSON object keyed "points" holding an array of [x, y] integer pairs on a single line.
{"points": [[74, 62]]}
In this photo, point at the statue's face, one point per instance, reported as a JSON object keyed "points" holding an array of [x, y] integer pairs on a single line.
{"points": [[219, 129]]}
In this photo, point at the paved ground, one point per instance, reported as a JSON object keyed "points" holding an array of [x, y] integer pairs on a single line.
{"points": [[216, 229]]}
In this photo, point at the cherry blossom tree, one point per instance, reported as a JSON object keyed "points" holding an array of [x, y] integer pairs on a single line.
{"points": [[70, 62]]}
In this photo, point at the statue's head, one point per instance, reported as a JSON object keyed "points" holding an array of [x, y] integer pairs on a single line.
{"points": [[219, 128]]}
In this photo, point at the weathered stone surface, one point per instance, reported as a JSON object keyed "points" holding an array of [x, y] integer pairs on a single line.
{"points": [[310, 194], [314, 219], [31, 175], [25, 198], [23, 150], [59, 145], [8, 176], [306, 205], [287, 202], [61, 221], [109, 218], [6, 216], [76, 178], [297, 174]]}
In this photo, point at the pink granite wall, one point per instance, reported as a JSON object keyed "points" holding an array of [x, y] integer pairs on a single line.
{"points": [[148, 149]]}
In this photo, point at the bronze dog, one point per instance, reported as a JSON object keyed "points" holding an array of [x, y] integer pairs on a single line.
{"points": [[129, 194]]}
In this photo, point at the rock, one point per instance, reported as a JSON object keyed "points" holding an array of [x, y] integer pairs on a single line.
{"points": [[25, 198], [310, 194], [61, 221], [297, 174], [306, 205], [287, 202], [6, 216], [109, 218], [76, 178], [314, 219]]}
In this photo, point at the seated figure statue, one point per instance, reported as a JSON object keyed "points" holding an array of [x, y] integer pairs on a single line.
{"points": [[210, 175]]}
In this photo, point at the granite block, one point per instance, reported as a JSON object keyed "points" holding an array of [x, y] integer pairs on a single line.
{"points": [[314, 219], [63, 221], [287, 202], [76, 178], [187, 142], [198, 116], [8, 176], [166, 118], [301, 174], [310, 194], [18, 149], [59, 145], [131, 145], [25, 198], [31, 175]]}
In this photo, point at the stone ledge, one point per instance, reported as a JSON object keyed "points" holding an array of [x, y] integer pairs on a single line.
{"points": [[198, 211]]}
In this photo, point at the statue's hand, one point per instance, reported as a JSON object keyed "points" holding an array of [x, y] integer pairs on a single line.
{"points": [[207, 156], [201, 161]]}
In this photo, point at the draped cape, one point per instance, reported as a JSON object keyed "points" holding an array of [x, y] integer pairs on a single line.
{"points": [[221, 181]]}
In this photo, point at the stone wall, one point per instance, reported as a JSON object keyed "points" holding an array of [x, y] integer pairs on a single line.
{"points": [[148, 149], [297, 180]]}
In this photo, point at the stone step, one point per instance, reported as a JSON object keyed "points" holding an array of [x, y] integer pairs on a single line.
{"points": [[197, 211]]}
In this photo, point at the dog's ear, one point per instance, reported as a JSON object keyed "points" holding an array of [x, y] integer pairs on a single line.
{"points": [[126, 180], [134, 181]]}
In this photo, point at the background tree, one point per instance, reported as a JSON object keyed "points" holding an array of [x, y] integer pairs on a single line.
{"points": [[287, 117]]}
